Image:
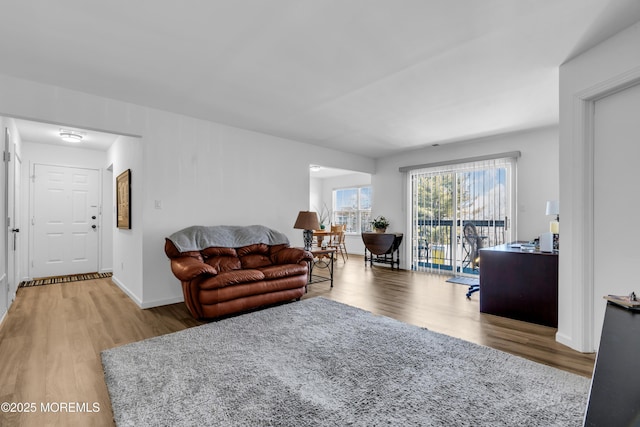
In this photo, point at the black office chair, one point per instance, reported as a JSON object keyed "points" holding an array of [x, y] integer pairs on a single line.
{"points": [[475, 244]]}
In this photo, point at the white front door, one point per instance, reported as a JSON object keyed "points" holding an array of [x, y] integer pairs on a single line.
{"points": [[65, 220]]}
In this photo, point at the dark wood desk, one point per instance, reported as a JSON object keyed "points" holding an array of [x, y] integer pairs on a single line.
{"points": [[519, 285], [382, 248]]}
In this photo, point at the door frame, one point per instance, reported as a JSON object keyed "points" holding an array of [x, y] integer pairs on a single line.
{"points": [[14, 220], [32, 166], [4, 259], [579, 293]]}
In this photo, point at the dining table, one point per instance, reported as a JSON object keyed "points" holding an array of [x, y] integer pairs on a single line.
{"points": [[321, 234]]}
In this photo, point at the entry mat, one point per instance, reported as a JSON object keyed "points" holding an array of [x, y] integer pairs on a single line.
{"points": [[63, 279]]}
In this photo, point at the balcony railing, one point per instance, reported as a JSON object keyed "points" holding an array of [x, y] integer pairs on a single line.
{"points": [[436, 241]]}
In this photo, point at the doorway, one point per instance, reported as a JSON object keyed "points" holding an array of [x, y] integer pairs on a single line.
{"points": [[615, 174], [324, 183], [42, 144]]}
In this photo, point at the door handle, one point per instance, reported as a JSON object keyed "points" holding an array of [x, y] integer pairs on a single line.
{"points": [[93, 226], [15, 231]]}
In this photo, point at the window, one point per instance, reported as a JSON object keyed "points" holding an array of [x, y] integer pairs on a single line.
{"points": [[352, 206]]}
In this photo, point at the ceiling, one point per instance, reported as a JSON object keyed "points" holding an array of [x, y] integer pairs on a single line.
{"points": [[46, 133], [373, 77]]}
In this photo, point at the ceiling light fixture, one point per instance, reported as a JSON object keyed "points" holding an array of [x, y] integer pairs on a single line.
{"points": [[70, 136]]}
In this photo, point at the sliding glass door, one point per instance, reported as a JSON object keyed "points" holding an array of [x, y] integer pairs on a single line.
{"points": [[446, 198]]}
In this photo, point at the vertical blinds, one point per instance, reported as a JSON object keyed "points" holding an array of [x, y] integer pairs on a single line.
{"points": [[445, 196]]}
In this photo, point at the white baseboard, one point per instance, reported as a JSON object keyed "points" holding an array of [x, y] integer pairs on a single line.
{"points": [[568, 341], [564, 339], [160, 302], [146, 304], [124, 289]]}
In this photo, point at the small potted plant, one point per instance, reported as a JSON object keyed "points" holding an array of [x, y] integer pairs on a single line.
{"points": [[324, 216], [380, 224]]}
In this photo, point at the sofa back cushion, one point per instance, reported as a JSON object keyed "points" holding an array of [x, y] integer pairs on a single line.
{"points": [[274, 249], [222, 259], [254, 256]]}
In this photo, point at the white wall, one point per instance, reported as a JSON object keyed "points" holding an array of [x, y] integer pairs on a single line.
{"points": [[315, 194], [201, 172], [537, 179], [608, 67], [107, 224], [126, 153], [33, 153]]}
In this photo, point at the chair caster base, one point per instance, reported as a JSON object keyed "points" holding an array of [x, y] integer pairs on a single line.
{"points": [[472, 289]]}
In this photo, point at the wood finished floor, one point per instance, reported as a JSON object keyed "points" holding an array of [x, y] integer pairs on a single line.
{"points": [[51, 339]]}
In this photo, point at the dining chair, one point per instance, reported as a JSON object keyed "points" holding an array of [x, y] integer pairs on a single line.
{"points": [[337, 240]]}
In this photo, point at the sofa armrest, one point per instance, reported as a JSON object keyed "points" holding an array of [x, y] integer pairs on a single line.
{"points": [[291, 256], [187, 268]]}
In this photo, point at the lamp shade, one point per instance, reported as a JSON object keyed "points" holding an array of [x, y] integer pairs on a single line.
{"points": [[307, 220], [553, 207]]}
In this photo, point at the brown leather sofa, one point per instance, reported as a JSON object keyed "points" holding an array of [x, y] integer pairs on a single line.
{"points": [[220, 280]]}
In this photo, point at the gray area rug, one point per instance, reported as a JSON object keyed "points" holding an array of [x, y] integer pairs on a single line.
{"points": [[318, 362]]}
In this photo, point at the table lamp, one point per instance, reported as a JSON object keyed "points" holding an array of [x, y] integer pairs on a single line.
{"points": [[307, 221], [553, 208]]}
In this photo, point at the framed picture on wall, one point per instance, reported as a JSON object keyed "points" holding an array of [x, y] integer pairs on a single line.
{"points": [[123, 199]]}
